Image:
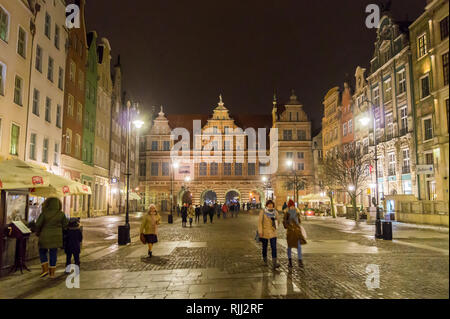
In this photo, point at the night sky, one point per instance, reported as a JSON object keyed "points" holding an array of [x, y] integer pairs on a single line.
{"points": [[182, 54]]}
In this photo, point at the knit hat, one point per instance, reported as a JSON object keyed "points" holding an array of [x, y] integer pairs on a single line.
{"points": [[291, 203]]}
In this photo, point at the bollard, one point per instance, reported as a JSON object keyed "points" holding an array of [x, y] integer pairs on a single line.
{"points": [[387, 230]]}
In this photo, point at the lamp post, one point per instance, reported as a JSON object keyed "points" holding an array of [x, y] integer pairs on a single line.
{"points": [[124, 231], [365, 121], [290, 164], [175, 165]]}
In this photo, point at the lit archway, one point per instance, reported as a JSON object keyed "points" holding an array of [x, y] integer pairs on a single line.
{"points": [[208, 196], [232, 196]]}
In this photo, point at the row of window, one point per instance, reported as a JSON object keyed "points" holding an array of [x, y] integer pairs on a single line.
{"points": [[287, 135], [45, 150], [347, 128], [48, 108], [202, 169], [50, 67], [422, 44]]}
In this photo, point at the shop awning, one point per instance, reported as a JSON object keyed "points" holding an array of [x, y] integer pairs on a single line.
{"points": [[17, 174], [314, 198]]}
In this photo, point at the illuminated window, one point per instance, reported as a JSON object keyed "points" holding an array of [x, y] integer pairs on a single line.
{"points": [[421, 45]]}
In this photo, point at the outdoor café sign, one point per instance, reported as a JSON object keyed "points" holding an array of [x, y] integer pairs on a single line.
{"points": [[425, 169]]}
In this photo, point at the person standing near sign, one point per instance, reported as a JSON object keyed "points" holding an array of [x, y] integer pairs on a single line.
{"points": [[49, 228]]}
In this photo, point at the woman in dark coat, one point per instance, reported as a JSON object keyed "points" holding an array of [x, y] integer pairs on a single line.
{"points": [[49, 228]]}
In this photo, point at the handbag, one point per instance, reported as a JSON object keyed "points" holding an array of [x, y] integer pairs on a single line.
{"points": [[257, 239], [303, 236], [142, 238]]}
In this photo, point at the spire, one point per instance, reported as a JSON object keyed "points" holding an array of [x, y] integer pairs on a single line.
{"points": [[220, 105], [293, 99], [161, 113], [274, 102]]}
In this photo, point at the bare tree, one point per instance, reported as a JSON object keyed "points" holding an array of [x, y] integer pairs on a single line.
{"points": [[329, 185], [296, 183], [349, 169]]}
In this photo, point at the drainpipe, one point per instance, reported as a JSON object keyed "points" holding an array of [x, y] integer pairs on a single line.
{"points": [[35, 10], [413, 107]]}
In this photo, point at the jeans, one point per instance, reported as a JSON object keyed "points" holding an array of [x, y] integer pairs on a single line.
{"points": [[53, 252], [76, 258], [190, 221], [299, 251], [273, 247]]}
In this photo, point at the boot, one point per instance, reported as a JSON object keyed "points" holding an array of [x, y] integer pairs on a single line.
{"points": [[290, 263], [300, 263], [265, 261], [275, 265], [150, 253], [52, 271], [44, 270]]}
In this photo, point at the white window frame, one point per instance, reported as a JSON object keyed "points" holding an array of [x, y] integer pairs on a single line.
{"points": [[25, 42], [388, 90], [350, 126], [344, 129], [8, 24], [2, 78], [401, 78], [419, 55]]}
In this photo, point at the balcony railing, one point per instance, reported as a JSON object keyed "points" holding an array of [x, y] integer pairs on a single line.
{"points": [[380, 173], [403, 131], [391, 172], [389, 136], [366, 150], [406, 170]]}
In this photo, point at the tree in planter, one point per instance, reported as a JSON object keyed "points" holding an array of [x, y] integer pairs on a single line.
{"points": [[348, 168]]}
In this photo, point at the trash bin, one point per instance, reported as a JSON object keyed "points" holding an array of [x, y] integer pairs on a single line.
{"points": [[387, 230], [170, 219], [123, 235]]}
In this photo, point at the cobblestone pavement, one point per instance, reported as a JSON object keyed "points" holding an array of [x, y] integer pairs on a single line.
{"points": [[222, 260]]}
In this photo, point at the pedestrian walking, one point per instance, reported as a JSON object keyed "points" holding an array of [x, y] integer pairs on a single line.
{"points": [[149, 228], [184, 215], [291, 222], [211, 213], [217, 209], [198, 212], [224, 210], [178, 210], [267, 231], [72, 242], [205, 213], [191, 214], [49, 228]]}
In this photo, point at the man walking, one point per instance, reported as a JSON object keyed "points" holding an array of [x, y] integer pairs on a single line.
{"points": [[211, 212], [205, 213], [198, 212]]}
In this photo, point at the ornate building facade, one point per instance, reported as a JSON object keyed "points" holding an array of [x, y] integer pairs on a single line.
{"points": [[429, 45], [214, 159]]}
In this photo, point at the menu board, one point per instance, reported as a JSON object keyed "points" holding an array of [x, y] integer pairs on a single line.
{"points": [[21, 226], [16, 205]]}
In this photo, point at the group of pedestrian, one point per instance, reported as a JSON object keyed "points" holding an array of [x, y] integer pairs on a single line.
{"points": [[56, 231], [267, 232]]}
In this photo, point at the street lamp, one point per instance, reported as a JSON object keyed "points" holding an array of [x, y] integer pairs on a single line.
{"points": [[124, 230], [290, 164], [365, 121], [174, 165], [351, 188]]}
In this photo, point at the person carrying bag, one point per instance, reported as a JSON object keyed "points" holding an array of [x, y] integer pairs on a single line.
{"points": [[296, 237]]}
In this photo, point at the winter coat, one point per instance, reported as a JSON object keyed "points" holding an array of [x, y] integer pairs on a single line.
{"points": [[50, 224], [191, 212], [292, 222], [149, 224], [72, 240], [225, 208], [266, 228]]}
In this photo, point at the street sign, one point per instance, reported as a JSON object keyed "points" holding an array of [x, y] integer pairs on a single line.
{"points": [[424, 169]]}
